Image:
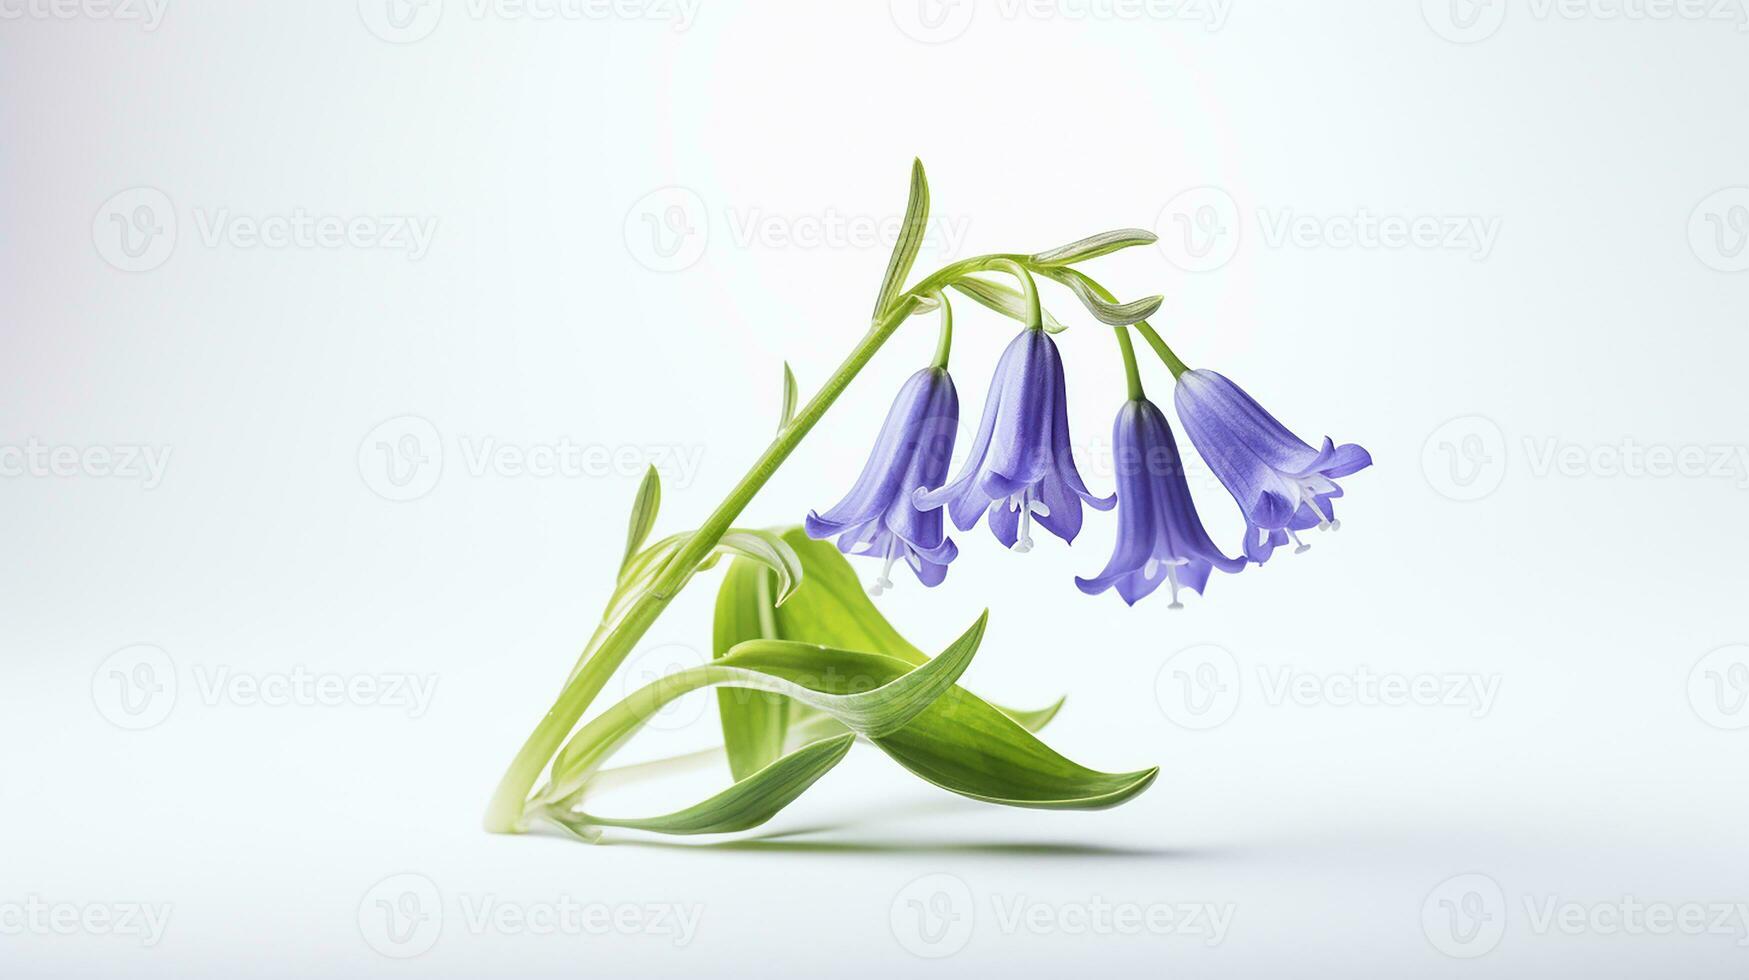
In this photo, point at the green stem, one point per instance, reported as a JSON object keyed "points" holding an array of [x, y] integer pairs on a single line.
{"points": [[1035, 316], [1131, 372], [1173, 364], [944, 345]]}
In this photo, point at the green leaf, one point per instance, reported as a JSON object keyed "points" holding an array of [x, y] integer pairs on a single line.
{"points": [[831, 607], [867, 704], [769, 549], [789, 398], [965, 745], [1115, 314], [751, 801], [905, 250], [1004, 299], [640, 574], [644, 508], [754, 728], [1094, 246]]}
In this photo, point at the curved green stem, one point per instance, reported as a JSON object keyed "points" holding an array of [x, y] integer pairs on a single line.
{"points": [[1035, 315], [1132, 373], [943, 345], [1173, 364]]}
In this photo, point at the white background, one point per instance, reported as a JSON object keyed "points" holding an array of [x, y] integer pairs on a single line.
{"points": [[623, 211]]}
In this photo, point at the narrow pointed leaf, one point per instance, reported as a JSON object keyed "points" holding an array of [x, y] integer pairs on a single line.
{"points": [[905, 250], [1094, 246], [831, 607], [769, 549], [754, 728], [963, 744], [1115, 314], [1004, 299], [789, 398], [868, 704], [644, 508], [751, 801]]}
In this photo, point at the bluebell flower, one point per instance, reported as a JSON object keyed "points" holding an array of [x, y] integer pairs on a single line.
{"points": [[1282, 484], [1159, 537], [877, 517], [1020, 466]]}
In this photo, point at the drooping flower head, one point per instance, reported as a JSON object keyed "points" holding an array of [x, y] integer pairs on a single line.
{"points": [[1160, 540], [1020, 466], [877, 517], [1282, 484]]}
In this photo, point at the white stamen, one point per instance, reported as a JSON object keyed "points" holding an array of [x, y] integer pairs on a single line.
{"points": [[1151, 570], [1300, 547], [882, 582], [1310, 487], [1172, 580], [1028, 508]]}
